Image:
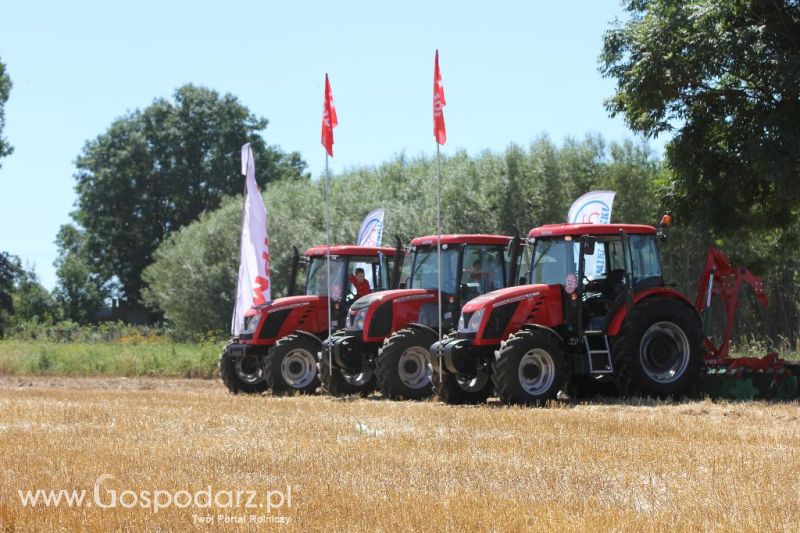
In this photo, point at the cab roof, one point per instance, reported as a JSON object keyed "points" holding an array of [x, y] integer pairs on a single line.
{"points": [[349, 249], [466, 238], [556, 230]]}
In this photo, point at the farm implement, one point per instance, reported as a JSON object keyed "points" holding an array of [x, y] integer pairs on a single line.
{"points": [[595, 315], [741, 378]]}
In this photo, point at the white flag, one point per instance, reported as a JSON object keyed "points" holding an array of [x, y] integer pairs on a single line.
{"points": [[253, 287], [371, 231], [593, 208]]}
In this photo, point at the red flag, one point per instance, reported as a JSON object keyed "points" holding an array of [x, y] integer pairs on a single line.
{"points": [[439, 102], [329, 120]]}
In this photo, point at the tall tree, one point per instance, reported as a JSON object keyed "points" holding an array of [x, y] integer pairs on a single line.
{"points": [[79, 292], [5, 89], [9, 270], [723, 76], [157, 169]]}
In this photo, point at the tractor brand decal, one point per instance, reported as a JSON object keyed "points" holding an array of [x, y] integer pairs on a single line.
{"points": [[571, 283], [285, 307], [517, 299], [415, 297]]}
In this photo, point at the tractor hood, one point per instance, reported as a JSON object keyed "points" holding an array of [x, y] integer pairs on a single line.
{"points": [[290, 302], [505, 296], [396, 295]]}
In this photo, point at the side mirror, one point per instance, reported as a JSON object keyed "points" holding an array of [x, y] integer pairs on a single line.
{"points": [[588, 243], [402, 285], [523, 280]]}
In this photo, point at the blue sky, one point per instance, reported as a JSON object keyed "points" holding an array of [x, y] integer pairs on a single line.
{"points": [[511, 71]]}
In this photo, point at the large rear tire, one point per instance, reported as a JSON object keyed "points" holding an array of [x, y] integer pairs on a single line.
{"points": [[243, 374], [455, 390], [659, 351], [338, 382], [403, 369], [291, 366], [530, 368]]}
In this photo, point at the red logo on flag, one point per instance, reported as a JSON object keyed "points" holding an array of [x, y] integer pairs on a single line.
{"points": [[329, 120], [439, 102]]}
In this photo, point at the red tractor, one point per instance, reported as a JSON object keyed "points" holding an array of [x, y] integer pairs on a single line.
{"points": [[595, 308], [278, 347], [389, 333]]}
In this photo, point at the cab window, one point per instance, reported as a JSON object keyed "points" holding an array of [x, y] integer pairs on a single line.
{"points": [[644, 257]]}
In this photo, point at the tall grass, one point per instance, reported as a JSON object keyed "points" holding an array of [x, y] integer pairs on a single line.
{"points": [[123, 357]]}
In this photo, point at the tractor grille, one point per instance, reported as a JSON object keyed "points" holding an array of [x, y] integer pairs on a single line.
{"points": [[498, 320], [381, 321], [273, 324]]}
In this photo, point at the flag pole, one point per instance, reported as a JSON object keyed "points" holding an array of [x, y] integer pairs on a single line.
{"points": [[328, 260], [439, 255]]}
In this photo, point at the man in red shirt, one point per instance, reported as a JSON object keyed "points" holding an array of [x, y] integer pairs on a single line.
{"points": [[360, 283]]}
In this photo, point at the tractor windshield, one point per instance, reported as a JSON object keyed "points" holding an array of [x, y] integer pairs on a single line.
{"points": [[553, 260], [483, 269], [317, 274], [424, 272]]}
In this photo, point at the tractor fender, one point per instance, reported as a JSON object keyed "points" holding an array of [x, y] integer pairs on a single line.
{"points": [[615, 324], [308, 335], [530, 327], [423, 327]]}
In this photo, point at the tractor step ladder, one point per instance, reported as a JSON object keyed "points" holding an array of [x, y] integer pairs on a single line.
{"points": [[599, 355]]}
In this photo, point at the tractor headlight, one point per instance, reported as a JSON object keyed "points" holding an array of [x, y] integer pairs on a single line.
{"points": [[356, 323], [474, 322], [252, 324]]}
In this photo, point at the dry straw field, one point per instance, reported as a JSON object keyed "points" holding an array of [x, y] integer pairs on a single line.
{"points": [[381, 466]]}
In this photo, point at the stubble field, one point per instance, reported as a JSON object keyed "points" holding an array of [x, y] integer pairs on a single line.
{"points": [[374, 465]]}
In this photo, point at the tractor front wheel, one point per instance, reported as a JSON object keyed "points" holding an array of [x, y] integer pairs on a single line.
{"points": [[243, 374], [530, 368], [291, 366], [403, 368], [458, 390], [338, 382], [660, 350]]}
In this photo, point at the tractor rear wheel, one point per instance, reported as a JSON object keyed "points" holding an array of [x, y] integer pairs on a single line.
{"points": [[530, 368], [338, 382], [243, 374], [403, 369], [457, 390], [659, 351], [291, 366]]}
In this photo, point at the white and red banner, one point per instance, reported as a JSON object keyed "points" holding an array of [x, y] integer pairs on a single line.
{"points": [[593, 208], [253, 287], [329, 118], [371, 231], [439, 102]]}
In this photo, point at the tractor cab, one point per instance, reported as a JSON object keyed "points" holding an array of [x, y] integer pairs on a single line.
{"points": [[471, 265], [347, 264], [595, 265]]}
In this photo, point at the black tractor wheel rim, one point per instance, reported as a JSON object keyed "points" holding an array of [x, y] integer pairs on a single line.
{"points": [[249, 370]]}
